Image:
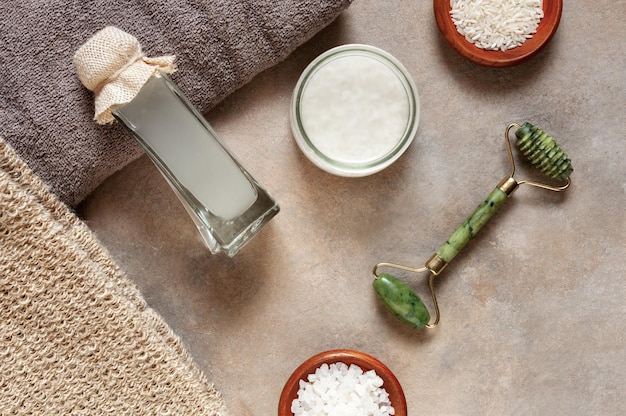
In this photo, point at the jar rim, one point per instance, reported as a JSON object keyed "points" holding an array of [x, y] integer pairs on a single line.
{"points": [[342, 167]]}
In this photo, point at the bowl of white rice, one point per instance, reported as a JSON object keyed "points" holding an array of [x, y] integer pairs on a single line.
{"points": [[342, 382], [498, 33]]}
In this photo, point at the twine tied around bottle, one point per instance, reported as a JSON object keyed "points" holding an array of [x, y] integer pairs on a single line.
{"points": [[112, 65]]}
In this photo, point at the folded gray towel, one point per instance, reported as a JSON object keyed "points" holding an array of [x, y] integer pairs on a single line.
{"points": [[47, 115]]}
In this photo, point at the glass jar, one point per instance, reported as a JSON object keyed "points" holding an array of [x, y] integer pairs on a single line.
{"points": [[355, 110]]}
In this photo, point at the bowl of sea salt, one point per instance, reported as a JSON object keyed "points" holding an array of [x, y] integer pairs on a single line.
{"points": [[355, 110], [342, 382]]}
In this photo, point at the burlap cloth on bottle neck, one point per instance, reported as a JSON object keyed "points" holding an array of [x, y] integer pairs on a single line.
{"points": [[76, 336], [113, 66]]}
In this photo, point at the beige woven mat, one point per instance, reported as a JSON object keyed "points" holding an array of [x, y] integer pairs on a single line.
{"points": [[76, 337]]}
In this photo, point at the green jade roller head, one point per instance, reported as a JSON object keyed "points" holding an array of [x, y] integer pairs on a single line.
{"points": [[544, 153]]}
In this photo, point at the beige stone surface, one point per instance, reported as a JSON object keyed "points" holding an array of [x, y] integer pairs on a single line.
{"points": [[532, 311]]}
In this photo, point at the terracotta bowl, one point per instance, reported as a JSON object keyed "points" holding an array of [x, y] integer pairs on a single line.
{"points": [[366, 362], [497, 59]]}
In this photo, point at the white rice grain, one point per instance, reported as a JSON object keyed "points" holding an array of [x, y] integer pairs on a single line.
{"points": [[496, 24]]}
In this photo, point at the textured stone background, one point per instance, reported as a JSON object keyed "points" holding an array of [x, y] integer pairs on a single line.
{"points": [[532, 311]]}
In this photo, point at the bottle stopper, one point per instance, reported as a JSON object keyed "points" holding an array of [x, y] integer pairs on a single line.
{"points": [[113, 66]]}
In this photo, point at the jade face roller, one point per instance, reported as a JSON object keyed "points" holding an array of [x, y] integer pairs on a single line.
{"points": [[543, 152]]}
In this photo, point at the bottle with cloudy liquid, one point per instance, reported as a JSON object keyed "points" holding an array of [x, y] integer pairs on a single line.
{"points": [[227, 205]]}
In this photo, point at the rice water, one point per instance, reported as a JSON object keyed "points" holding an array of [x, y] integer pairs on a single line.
{"points": [[227, 205]]}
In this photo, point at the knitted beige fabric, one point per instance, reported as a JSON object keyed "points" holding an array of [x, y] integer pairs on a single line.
{"points": [[76, 336], [112, 65]]}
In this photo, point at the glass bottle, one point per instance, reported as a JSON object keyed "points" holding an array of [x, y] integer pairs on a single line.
{"points": [[227, 205]]}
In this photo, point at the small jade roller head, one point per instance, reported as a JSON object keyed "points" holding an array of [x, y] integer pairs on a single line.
{"points": [[544, 153]]}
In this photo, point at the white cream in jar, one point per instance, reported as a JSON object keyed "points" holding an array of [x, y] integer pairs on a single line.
{"points": [[355, 110]]}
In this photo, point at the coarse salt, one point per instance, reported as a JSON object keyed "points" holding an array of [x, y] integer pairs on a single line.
{"points": [[355, 109], [341, 390]]}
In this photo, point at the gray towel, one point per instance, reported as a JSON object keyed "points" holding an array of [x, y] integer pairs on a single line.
{"points": [[46, 115]]}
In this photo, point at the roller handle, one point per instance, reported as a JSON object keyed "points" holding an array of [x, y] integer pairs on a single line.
{"points": [[470, 227]]}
